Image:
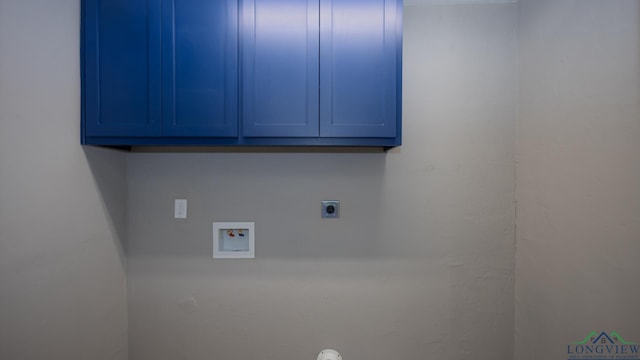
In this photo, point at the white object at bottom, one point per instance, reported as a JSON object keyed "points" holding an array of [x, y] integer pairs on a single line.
{"points": [[329, 354]]}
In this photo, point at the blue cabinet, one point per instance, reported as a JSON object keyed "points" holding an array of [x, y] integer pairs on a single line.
{"points": [[200, 68], [160, 68], [359, 62], [321, 68], [280, 68], [121, 68], [250, 72]]}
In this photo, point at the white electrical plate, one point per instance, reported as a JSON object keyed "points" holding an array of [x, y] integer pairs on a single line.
{"points": [[180, 209], [234, 240]]}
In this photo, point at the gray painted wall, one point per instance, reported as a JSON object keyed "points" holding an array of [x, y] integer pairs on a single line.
{"points": [[578, 174], [62, 220], [421, 263], [419, 266]]}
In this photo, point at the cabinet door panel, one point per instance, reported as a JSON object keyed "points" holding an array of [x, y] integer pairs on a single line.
{"points": [[358, 61], [200, 68], [280, 68], [121, 67]]}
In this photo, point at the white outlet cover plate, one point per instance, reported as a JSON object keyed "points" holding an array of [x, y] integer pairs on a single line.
{"points": [[180, 209]]}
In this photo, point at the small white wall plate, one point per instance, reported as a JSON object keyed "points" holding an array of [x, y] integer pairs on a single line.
{"points": [[234, 240]]}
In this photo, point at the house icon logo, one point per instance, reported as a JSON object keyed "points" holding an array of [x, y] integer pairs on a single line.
{"points": [[603, 346]]}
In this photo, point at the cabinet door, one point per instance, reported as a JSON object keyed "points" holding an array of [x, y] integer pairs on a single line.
{"points": [[200, 68], [121, 49], [280, 68], [359, 67]]}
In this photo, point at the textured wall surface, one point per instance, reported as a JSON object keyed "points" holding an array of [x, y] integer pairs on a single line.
{"points": [[62, 220], [420, 264], [578, 174]]}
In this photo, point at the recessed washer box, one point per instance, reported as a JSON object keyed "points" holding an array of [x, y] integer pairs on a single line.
{"points": [[234, 240]]}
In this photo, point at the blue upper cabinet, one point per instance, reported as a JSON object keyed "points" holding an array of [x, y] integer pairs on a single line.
{"points": [[158, 70], [280, 68], [327, 69], [359, 69], [242, 72], [200, 68], [121, 79]]}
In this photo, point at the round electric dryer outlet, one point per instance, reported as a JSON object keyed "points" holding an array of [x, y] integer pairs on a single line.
{"points": [[331, 209]]}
